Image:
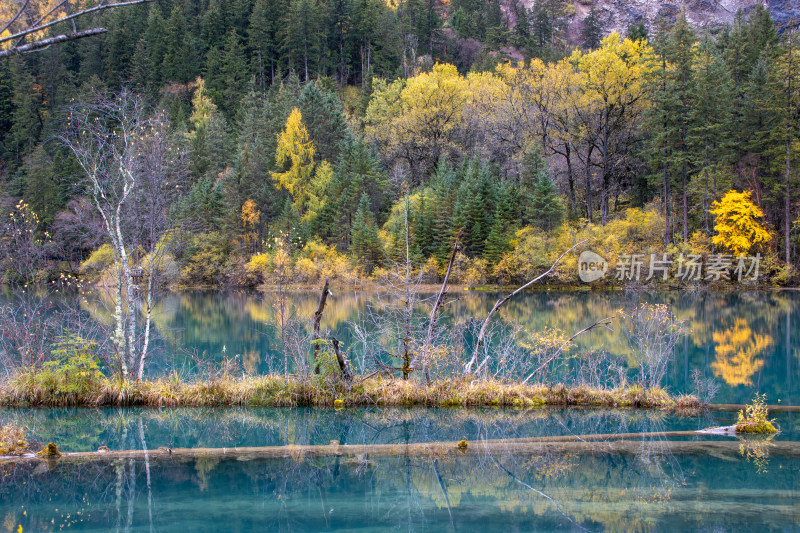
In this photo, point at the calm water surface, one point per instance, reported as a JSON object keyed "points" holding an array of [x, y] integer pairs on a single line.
{"points": [[746, 341], [647, 489]]}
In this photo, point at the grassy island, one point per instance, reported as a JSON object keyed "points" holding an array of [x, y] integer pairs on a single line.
{"points": [[29, 389]]}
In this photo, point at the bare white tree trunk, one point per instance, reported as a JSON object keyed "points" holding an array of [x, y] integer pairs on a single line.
{"points": [[147, 321]]}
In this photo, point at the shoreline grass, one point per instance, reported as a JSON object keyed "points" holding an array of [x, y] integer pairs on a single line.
{"points": [[278, 391]]}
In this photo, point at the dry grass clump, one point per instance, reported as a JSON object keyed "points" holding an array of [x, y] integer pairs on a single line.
{"points": [[280, 391]]}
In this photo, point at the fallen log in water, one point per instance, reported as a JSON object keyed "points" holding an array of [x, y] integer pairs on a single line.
{"points": [[776, 408], [609, 444]]}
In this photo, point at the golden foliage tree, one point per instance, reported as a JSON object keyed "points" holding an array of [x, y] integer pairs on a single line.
{"points": [[737, 225], [737, 350], [250, 218], [295, 154], [420, 119]]}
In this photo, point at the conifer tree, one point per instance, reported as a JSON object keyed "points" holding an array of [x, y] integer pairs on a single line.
{"points": [[592, 32], [423, 245], [262, 34], [709, 135], [179, 65], [474, 194], [323, 117], [295, 154], [497, 242], [545, 208], [26, 123], [235, 75], [365, 245], [785, 104], [443, 196]]}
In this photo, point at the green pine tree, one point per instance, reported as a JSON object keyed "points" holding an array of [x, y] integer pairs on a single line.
{"points": [[365, 245], [543, 207]]}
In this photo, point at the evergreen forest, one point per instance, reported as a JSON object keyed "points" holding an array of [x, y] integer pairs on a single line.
{"points": [[292, 141]]}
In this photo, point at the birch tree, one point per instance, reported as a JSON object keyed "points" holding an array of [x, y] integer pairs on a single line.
{"points": [[125, 161]]}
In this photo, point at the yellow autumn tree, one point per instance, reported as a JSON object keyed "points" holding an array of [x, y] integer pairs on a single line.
{"points": [[316, 201], [203, 108], [611, 98], [736, 353], [736, 226], [295, 154], [250, 217], [419, 119]]}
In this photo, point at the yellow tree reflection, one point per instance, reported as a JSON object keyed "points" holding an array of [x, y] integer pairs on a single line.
{"points": [[737, 351]]}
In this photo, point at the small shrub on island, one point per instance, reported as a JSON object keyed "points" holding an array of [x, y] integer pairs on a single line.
{"points": [[753, 419]]}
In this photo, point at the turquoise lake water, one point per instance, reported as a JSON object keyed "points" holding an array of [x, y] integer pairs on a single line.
{"points": [[647, 489], [747, 342]]}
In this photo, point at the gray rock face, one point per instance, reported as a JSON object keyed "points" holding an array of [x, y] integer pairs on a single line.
{"points": [[617, 15], [785, 12]]}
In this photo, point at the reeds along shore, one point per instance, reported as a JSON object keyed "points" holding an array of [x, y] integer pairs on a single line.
{"points": [[280, 391]]}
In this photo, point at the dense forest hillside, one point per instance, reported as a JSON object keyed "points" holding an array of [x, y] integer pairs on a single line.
{"points": [[336, 131]]}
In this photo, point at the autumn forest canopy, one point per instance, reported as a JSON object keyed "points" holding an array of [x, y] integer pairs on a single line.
{"points": [[341, 136]]}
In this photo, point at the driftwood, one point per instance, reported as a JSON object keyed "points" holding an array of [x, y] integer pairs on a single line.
{"points": [[323, 299], [479, 342], [347, 376], [609, 444]]}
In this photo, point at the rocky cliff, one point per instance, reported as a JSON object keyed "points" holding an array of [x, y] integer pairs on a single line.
{"points": [[619, 14]]}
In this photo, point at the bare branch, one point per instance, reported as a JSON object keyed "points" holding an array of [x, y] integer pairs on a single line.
{"points": [[36, 28], [440, 301], [45, 43], [346, 375], [317, 319], [39, 26], [15, 17], [502, 301], [600, 324]]}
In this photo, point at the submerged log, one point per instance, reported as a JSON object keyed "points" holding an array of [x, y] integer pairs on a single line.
{"points": [[614, 444]]}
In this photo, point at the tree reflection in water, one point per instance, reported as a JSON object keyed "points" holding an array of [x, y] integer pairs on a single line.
{"points": [[646, 488]]}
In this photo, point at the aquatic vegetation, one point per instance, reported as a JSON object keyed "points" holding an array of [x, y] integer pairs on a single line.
{"points": [[755, 449], [70, 379], [753, 419]]}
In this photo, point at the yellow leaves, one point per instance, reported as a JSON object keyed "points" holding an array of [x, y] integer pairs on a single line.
{"points": [[737, 351], [250, 217], [614, 74], [295, 151], [250, 214], [736, 226], [433, 103], [36, 11], [316, 191], [203, 109], [418, 117]]}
